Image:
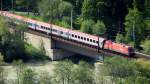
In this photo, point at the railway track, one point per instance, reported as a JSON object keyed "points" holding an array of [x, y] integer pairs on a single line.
{"points": [[103, 52], [142, 55]]}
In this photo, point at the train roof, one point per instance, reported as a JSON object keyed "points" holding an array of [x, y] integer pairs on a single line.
{"points": [[76, 32]]}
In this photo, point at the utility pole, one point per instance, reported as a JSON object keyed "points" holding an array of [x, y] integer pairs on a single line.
{"points": [[133, 31], [71, 19]]}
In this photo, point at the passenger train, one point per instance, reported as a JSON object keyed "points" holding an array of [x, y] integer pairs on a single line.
{"points": [[95, 41]]}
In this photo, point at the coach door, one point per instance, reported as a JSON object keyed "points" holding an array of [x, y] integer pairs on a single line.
{"points": [[101, 42]]}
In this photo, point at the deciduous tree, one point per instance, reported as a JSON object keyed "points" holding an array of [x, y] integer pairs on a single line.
{"points": [[120, 38], [87, 26], [87, 10], [134, 27], [146, 46], [99, 28]]}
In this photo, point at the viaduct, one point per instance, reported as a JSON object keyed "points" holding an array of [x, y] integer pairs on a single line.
{"points": [[58, 48]]}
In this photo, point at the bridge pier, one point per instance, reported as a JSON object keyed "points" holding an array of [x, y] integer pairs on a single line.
{"points": [[48, 45]]}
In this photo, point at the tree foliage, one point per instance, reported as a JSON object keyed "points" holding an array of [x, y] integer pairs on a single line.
{"points": [[120, 38], [134, 27], [65, 8], [4, 31], [146, 46], [99, 28], [87, 26], [87, 9], [49, 9]]}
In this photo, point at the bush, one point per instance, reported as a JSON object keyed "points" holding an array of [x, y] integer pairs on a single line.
{"points": [[33, 53]]}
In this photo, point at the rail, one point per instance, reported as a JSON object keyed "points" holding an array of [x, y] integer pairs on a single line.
{"points": [[142, 55]]}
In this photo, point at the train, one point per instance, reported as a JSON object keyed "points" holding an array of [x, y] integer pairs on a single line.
{"points": [[74, 35]]}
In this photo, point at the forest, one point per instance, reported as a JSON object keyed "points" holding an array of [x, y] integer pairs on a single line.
{"points": [[123, 21]]}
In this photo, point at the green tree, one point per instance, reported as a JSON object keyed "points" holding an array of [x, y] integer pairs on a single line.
{"points": [[99, 28], [4, 31], [147, 28], [49, 9], [120, 38], [87, 26], [134, 27], [87, 9], [146, 46], [19, 30], [65, 8], [64, 24], [120, 69]]}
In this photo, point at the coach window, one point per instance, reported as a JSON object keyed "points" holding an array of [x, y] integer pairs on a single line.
{"points": [[75, 36], [94, 41], [90, 40], [48, 28], [30, 24], [79, 37], [87, 39], [54, 30], [72, 35], [61, 32], [84, 38]]}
